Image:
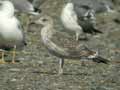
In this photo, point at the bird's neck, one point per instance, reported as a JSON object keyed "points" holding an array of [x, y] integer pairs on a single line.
{"points": [[47, 32]]}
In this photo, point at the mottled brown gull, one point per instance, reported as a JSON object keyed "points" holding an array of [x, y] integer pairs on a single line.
{"points": [[70, 51]]}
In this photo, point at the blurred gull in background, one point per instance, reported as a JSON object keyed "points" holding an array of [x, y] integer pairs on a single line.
{"points": [[80, 15], [38, 3], [25, 6], [99, 6], [79, 23]]}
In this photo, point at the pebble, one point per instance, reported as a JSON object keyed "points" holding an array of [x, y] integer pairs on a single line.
{"points": [[14, 70]]}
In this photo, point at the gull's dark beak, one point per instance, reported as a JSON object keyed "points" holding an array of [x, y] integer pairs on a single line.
{"points": [[37, 10], [36, 22], [33, 22], [1, 3]]}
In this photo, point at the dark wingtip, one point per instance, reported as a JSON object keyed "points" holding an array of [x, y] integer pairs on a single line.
{"points": [[97, 31], [116, 21], [99, 59], [25, 43]]}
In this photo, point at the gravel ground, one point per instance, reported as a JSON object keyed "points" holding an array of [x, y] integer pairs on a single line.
{"points": [[37, 69]]}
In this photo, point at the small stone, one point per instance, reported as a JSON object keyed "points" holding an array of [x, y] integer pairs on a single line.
{"points": [[14, 70], [21, 59], [40, 62], [13, 80]]}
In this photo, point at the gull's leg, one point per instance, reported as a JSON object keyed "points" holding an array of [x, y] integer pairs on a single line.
{"points": [[83, 63], [14, 54], [80, 36], [27, 23], [77, 36], [61, 63], [2, 61]]}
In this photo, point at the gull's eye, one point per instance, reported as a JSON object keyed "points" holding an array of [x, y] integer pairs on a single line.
{"points": [[0, 4], [44, 19]]}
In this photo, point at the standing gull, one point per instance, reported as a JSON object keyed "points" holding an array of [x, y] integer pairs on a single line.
{"points": [[70, 20], [73, 51], [11, 35]]}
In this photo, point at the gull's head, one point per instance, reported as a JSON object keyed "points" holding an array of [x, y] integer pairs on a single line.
{"points": [[44, 20], [7, 8], [69, 6], [107, 7], [90, 14]]}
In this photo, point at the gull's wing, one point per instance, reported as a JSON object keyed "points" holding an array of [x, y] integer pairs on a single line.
{"points": [[20, 27], [23, 5], [69, 48]]}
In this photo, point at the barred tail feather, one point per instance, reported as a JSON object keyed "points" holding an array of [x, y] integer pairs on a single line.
{"points": [[99, 59]]}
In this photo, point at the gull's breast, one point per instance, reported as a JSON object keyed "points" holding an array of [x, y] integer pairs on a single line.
{"points": [[9, 32], [69, 20]]}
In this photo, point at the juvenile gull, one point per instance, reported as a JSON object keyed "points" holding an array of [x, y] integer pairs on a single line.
{"points": [[11, 35], [73, 51]]}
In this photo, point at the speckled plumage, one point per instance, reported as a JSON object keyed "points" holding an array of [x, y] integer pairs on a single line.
{"points": [[73, 51]]}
